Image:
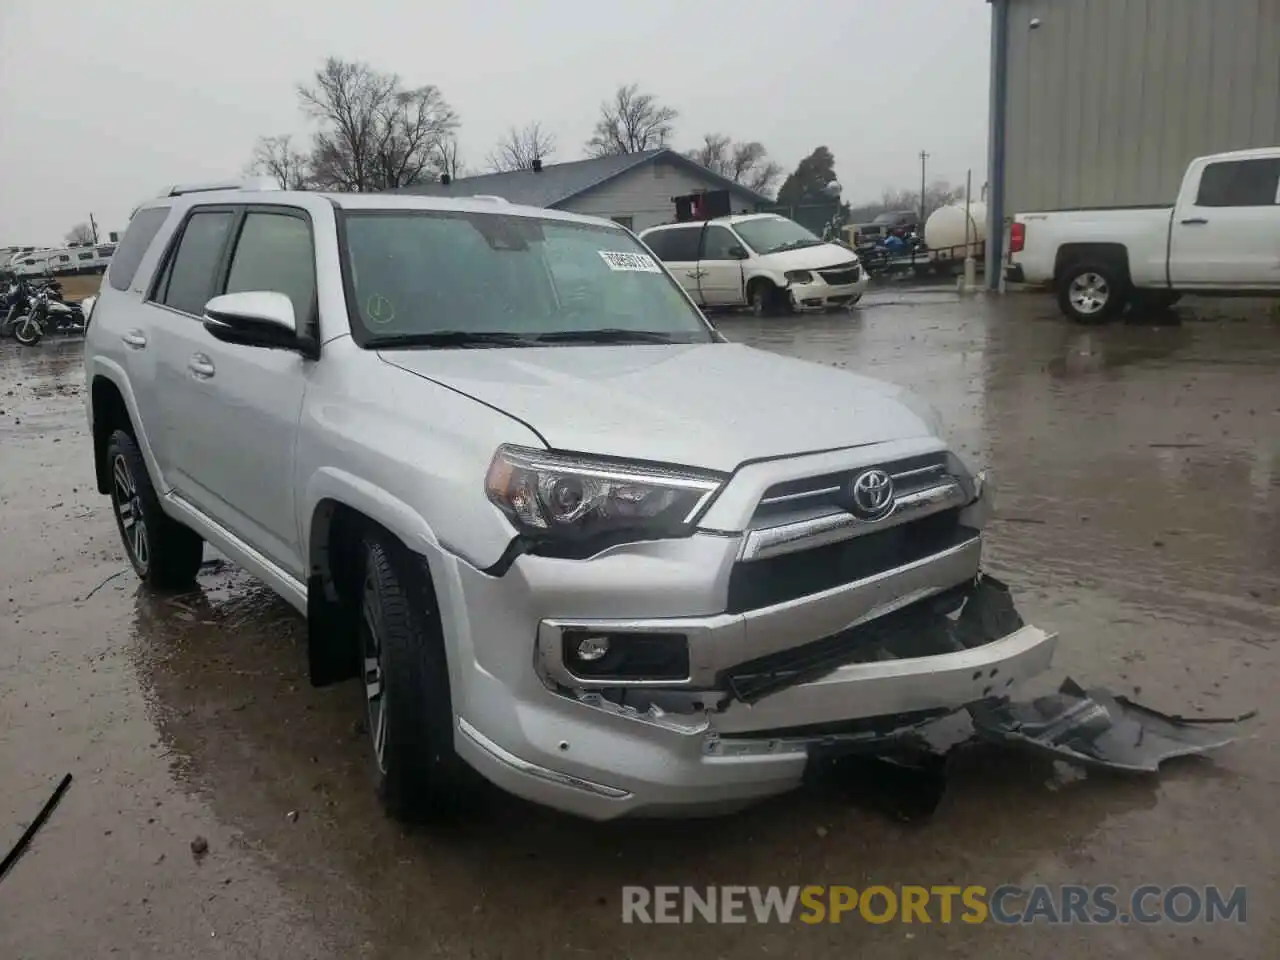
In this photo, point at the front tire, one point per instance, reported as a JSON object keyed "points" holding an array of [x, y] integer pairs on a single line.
{"points": [[163, 552], [407, 694], [27, 330], [765, 299], [1091, 292]]}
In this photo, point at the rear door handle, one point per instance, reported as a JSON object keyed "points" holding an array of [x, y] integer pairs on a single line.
{"points": [[134, 339], [696, 274], [201, 366], [1195, 221]]}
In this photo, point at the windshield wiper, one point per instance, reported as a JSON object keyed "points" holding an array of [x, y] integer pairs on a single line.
{"points": [[610, 335], [451, 338]]}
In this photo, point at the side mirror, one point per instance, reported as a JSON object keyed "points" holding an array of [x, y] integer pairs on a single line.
{"points": [[256, 318], [738, 252]]}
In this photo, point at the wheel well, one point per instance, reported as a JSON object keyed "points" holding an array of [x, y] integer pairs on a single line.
{"points": [[756, 282], [1111, 254], [109, 415], [336, 532], [334, 588]]}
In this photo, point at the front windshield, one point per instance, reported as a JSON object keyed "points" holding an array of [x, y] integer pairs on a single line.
{"points": [[462, 278], [771, 234]]}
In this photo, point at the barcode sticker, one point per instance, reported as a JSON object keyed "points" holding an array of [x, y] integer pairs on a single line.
{"points": [[629, 262]]}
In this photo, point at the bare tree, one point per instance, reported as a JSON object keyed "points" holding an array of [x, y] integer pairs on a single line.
{"points": [[277, 157], [744, 162], [81, 233], [375, 133], [449, 160], [630, 123], [521, 147], [937, 194]]}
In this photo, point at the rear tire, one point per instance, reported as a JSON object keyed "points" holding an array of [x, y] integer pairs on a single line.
{"points": [[164, 553], [1091, 292], [407, 695]]}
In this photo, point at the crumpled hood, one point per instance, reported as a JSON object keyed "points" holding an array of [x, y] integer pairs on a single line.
{"points": [[701, 405], [810, 258]]}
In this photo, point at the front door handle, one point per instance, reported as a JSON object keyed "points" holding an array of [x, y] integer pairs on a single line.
{"points": [[696, 274], [1194, 221], [134, 339], [201, 366]]}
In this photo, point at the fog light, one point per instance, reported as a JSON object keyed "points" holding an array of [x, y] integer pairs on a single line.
{"points": [[591, 649], [635, 657]]}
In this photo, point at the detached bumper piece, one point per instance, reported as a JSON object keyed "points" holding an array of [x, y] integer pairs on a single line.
{"points": [[1094, 728], [962, 618]]}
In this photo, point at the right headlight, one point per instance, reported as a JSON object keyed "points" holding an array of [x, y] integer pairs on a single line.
{"points": [[580, 503]]}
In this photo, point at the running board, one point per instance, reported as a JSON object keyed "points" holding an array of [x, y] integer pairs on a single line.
{"points": [[293, 590]]}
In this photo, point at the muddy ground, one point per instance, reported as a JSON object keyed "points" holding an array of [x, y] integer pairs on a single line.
{"points": [[1139, 515]]}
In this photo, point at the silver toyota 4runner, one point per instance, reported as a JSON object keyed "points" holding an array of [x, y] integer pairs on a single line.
{"points": [[572, 540]]}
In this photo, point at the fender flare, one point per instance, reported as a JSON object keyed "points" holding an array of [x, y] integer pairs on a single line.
{"points": [[343, 487]]}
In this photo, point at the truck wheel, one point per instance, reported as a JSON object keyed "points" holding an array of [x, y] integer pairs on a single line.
{"points": [[164, 553], [765, 299], [1091, 292], [406, 682]]}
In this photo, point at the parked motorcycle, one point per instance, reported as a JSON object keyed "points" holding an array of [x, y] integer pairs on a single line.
{"points": [[46, 313], [14, 302]]}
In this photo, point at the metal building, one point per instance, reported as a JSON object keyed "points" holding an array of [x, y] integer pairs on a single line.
{"points": [[1102, 103]]}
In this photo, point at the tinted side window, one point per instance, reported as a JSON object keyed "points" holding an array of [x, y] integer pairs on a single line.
{"points": [[658, 243], [682, 244], [1240, 183], [142, 230], [191, 275], [717, 242], [274, 252]]}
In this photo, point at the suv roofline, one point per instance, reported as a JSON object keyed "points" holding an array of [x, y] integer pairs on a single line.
{"points": [[731, 219], [215, 194]]}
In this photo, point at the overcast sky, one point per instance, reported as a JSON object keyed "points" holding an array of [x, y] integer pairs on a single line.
{"points": [[104, 103]]}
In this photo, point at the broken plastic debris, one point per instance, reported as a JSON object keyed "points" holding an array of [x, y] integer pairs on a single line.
{"points": [[1096, 728]]}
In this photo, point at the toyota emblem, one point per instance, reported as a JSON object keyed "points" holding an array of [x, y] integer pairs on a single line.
{"points": [[872, 494]]}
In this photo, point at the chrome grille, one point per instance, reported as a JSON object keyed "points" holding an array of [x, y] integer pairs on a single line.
{"points": [[785, 501]]}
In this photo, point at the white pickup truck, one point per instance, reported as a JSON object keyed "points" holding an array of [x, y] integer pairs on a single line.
{"points": [[1221, 237]]}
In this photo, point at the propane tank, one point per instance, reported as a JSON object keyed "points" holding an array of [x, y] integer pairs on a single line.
{"points": [[944, 231]]}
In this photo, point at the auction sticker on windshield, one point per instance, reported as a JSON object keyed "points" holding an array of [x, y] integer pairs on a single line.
{"points": [[629, 262]]}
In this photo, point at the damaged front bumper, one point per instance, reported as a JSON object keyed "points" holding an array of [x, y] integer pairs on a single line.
{"points": [[724, 737]]}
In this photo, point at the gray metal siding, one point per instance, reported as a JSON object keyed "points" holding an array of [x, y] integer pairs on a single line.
{"points": [[1110, 99], [644, 194]]}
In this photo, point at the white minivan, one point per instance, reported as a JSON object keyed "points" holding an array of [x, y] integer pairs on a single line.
{"points": [[762, 260]]}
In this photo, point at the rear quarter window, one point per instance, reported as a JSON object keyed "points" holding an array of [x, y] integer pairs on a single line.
{"points": [[133, 247]]}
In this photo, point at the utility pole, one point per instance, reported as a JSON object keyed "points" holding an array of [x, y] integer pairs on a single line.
{"points": [[923, 157], [93, 225]]}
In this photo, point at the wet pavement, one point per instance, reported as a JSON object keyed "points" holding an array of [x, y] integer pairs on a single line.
{"points": [[1138, 470]]}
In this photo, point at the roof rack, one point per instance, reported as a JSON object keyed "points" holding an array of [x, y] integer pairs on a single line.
{"points": [[253, 184]]}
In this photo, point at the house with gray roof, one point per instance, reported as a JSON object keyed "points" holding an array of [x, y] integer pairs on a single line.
{"points": [[633, 189]]}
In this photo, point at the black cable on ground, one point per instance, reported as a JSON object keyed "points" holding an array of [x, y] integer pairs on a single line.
{"points": [[25, 840]]}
